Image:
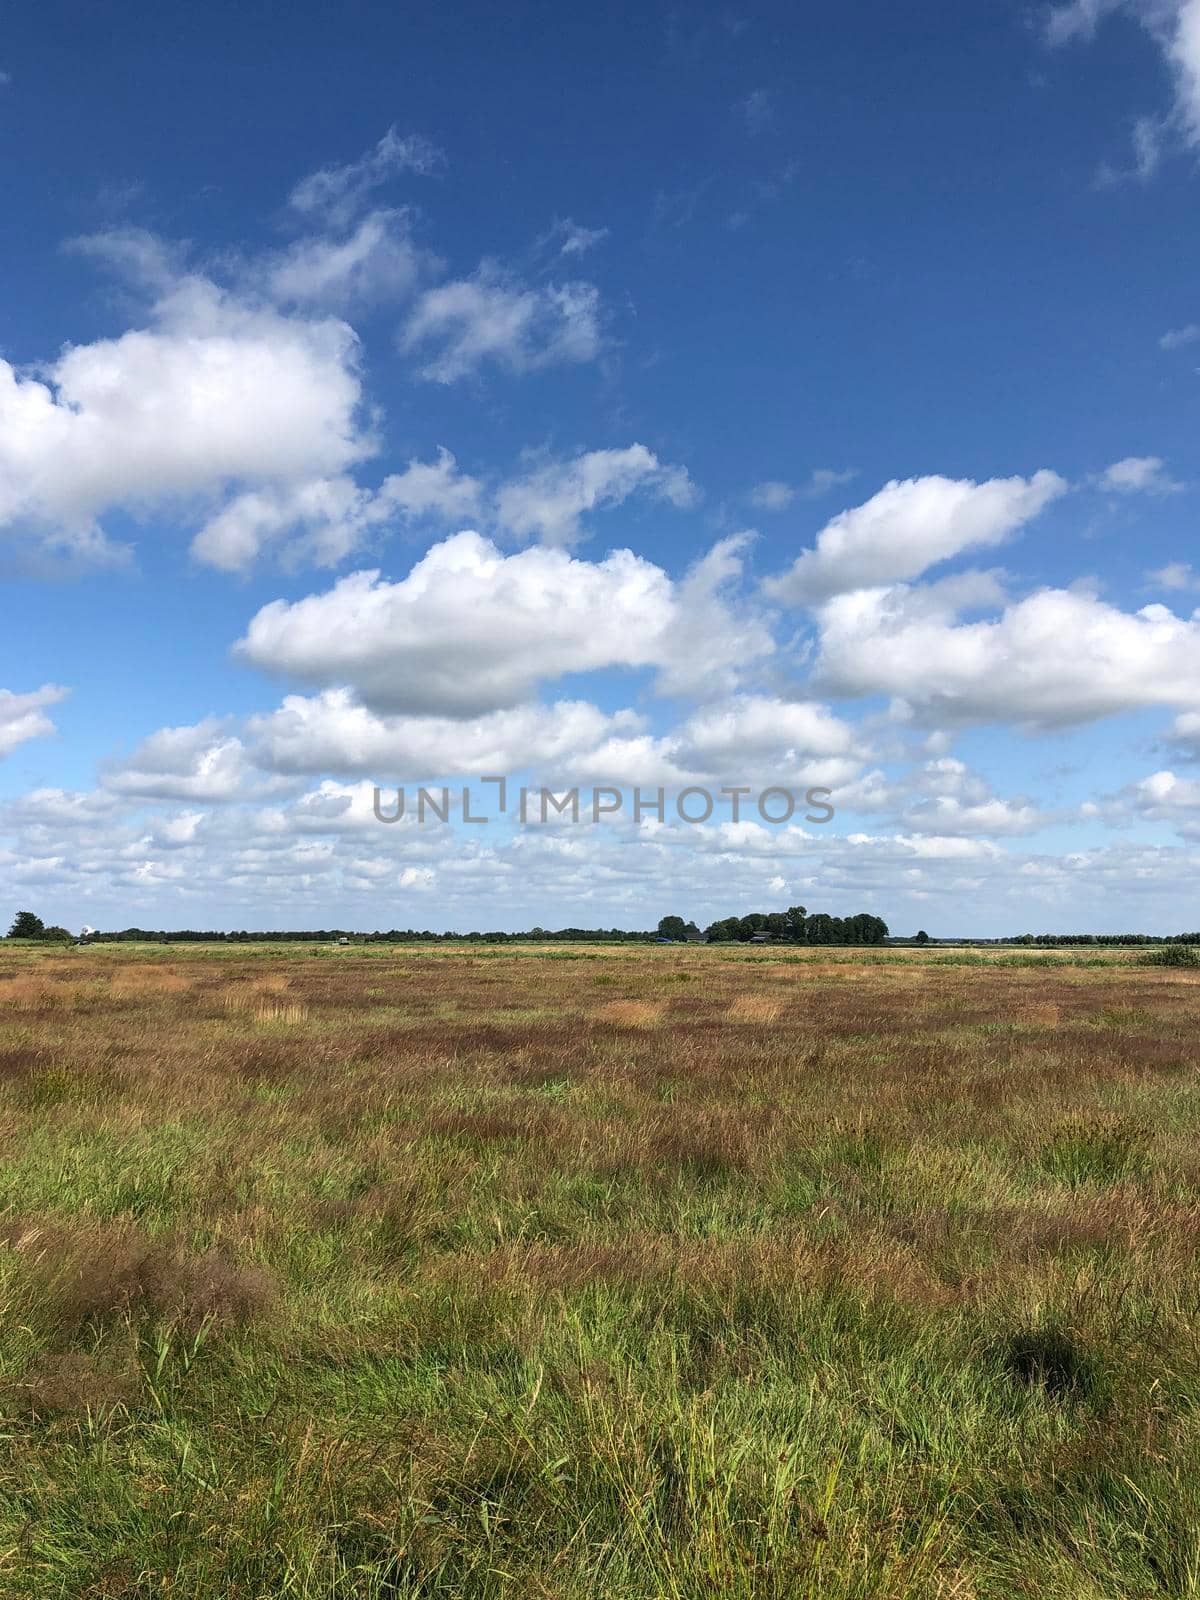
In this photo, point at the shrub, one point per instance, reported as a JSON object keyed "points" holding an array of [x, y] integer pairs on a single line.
{"points": [[1172, 955]]}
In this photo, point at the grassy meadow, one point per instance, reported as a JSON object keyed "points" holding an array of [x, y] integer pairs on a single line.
{"points": [[585, 1272]]}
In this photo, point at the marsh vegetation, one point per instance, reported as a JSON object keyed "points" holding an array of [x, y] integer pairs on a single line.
{"points": [[683, 1272]]}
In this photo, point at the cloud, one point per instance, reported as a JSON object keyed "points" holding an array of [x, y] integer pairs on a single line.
{"points": [[1148, 137], [761, 737], [212, 391], [203, 762], [947, 817], [823, 479], [433, 489], [332, 732], [548, 502], [1183, 54], [377, 262], [1138, 475], [1077, 19], [322, 521], [240, 409], [471, 630], [756, 110], [1147, 147], [675, 208], [1174, 25], [1185, 733], [1175, 575], [1163, 794], [571, 238], [56, 808], [136, 255], [910, 526], [943, 798], [1176, 338], [23, 716], [711, 641], [1162, 797], [1054, 659], [492, 318], [336, 193], [326, 519], [318, 857], [746, 739], [774, 495]]}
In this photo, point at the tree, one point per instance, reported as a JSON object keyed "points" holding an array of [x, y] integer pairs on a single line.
{"points": [[672, 928], [922, 937], [27, 926]]}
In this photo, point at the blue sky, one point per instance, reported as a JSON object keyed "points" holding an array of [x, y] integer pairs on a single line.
{"points": [[683, 396]]}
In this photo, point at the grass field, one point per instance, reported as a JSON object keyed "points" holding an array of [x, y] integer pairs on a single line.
{"points": [[680, 1272]]}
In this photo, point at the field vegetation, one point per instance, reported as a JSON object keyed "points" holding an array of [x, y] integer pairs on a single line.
{"points": [[668, 1272]]}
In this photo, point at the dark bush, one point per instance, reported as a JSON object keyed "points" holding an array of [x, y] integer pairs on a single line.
{"points": [[1172, 955]]}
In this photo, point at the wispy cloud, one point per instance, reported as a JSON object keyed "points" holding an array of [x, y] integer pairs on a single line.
{"points": [[571, 238], [1176, 575], [549, 501], [1148, 140], [338, 192], [492, 318], [675, 208], [756, 111], [1138, 475], [775, 495], [1174, 26]]}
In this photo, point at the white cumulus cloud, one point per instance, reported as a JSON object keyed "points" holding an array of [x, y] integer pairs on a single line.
{"points": [[472, 630], [211, 392], [332, 732], [326, 519], [909, 526], [23, 716], [1056, 658], [202, 762]]}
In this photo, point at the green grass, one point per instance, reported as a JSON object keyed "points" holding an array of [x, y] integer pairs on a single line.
{"points": [[682, 1273]]}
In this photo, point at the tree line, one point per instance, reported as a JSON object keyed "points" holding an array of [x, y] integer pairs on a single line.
{"points": [[794, 926], [28, 926], [797, 925], [1101, 938]]}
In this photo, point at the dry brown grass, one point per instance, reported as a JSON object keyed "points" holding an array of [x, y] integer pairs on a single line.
{"points": [[589, 1266], [754, 1008], [631, 1013], [89, 1272]]}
